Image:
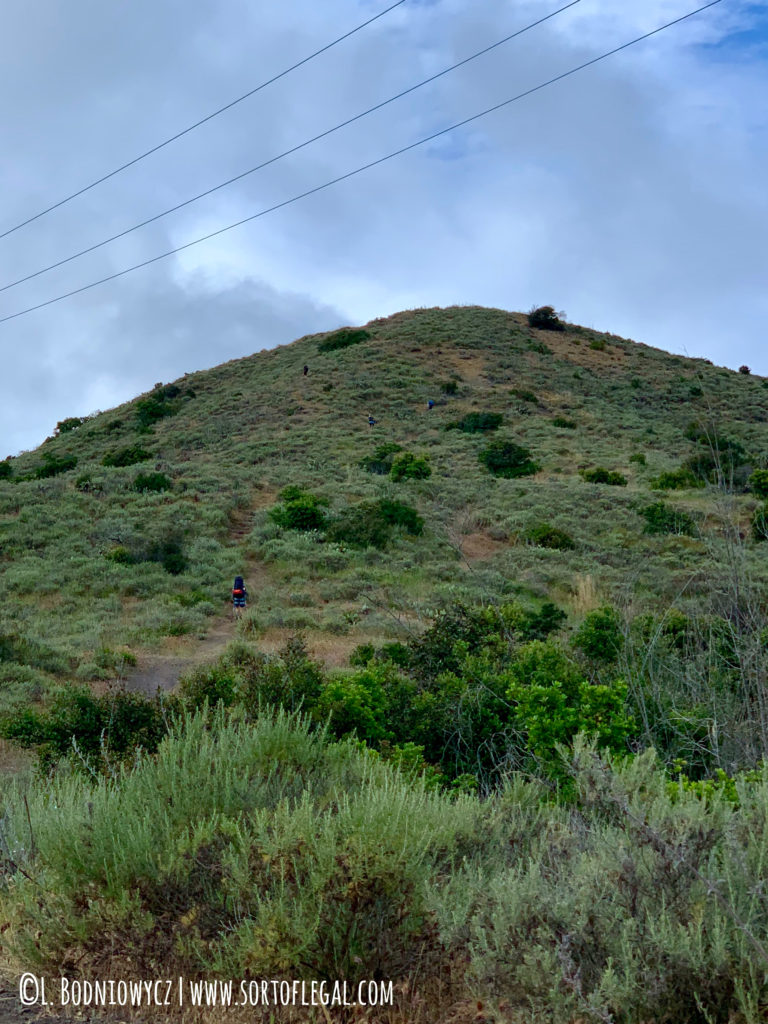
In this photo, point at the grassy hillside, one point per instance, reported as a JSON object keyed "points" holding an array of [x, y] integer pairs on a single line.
{"points": [[91, 567], [494, 726]]}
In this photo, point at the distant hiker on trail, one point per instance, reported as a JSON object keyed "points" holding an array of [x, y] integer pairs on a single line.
{"points": [[430, 404], [239, 596], [371, 421], [306, 369]]}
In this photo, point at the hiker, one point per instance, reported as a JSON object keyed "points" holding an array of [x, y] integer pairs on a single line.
{"points": [[239, 596], [430, 404], [371, 421], [306, 369]]}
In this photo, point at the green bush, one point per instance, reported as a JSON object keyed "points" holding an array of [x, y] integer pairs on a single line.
{"points": [[6, 470], [760, 523], [638, 458], [543, 535], [507, 459], [477, 422], [599, 636], [564, 423], [597, 344], [92, 731], [152, 482], [408, 467], [450, 387], [121, 555], [370, 524], [525, 396], [601, 475], [661, 518], [681, 479], [758, 483], [545, 318], [380, 462], [299, 511], [343, 338], [55, 464], [71, 423], [127, 456], [168, 551]]}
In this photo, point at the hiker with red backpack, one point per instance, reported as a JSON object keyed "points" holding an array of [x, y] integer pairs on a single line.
{"points": [[239, 596]]}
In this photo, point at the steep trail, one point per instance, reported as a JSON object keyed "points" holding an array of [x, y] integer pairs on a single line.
{"points": [[163, 669]]}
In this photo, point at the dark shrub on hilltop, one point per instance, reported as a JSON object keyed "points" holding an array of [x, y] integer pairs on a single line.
{"points": [[545, 318], [371, 524], [55, 464], [6, 470], [71, 423], [507, 459], [410, 467], [343, 338], [380, 462], [152, 482], [545, 536]]}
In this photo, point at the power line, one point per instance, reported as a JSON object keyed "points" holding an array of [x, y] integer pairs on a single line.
{"points": [[203, 120], [359, 170], [280, 156]]}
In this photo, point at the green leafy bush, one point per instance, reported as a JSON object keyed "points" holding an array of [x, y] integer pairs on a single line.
{"points": [[662, 518], [407, 466], [152, 482], [597, 344], [343, 338], [638, 458], [525, 396], [55, 464], [380, 462], [545, 319], [599, 636], [760, 523], [71, 423], [6, 470], [127, 456], [300, 510], [601, 475], [563, 423], [121, 555], [544, 535], [681, 479], [450, 387], [758, 483], [507, 459], [477, 422], [371, 524]]}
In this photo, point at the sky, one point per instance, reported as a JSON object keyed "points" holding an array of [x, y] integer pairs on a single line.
{"points": [[631, 195]]}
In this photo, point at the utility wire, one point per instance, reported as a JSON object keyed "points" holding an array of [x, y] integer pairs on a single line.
{"points": [[287, 152], [358, 170], [203, 120]]}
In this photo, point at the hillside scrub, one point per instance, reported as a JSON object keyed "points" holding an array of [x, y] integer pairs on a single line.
{"points": [[629, 899]]}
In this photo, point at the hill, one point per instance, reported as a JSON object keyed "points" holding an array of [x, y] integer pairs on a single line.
{"points": [[492, 732], [96, 571]]}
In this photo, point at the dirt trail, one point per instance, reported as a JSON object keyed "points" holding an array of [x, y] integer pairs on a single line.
{"points": [[163, 669]]}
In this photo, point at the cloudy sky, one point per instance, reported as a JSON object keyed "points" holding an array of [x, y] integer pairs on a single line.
{"points": [[631, 195]]}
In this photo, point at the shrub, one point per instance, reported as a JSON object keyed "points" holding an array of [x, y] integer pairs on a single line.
{"points": [[638, 458], [760, 523], [450, 387], [380, 462], [127, 456], [152, 482], [343, 338], [661, 518], [545, 536], [55, 464], [601, 475], [169, 553], [164, 401], [299, 511], [477, 422], [121, 555], [507, 459], [564, 423], [525, 396], [71, 423], [681, 479], [597, 344], [758, 483], [6, 470], [370, 524], [408, 467], [91, 730], [599, 636], [545, 318], [745, 370]]}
